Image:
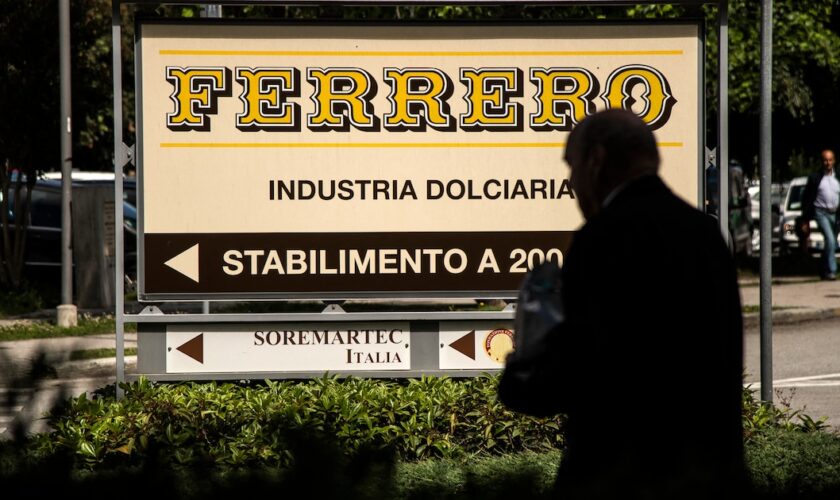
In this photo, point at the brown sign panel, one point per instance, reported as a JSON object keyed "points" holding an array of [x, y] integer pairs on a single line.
{"points": [[353, 263]]}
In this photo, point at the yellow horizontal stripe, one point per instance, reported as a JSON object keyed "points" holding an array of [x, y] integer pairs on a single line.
{"points": [[404, 53], [362, 144], [216, 145]]}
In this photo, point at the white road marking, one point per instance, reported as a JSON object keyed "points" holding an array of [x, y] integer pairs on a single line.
{"points": [[811, 377], [809, 381]]}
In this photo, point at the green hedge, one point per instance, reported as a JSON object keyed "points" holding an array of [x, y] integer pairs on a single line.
{"points": [[783, 464], [232, 425], [795, 464], [350, 438]]}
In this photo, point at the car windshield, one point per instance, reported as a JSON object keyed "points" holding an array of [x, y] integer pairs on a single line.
{"points": [[795, 198]]}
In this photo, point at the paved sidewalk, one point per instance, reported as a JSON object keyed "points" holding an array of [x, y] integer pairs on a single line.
{"points": [[16, 356], [794, 299]]}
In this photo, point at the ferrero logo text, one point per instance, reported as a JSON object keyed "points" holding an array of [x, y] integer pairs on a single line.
{"points": [[419, 98]]}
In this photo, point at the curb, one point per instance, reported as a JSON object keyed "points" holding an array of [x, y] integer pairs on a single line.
{"points": [[93, 368], [789, 317]]}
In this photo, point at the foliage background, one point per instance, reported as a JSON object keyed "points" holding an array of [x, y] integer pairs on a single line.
{"points": [[806, 70], [805, 102]]}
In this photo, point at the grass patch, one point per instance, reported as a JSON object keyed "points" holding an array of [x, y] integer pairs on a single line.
{"points": [[105, 352], [756, 308], [88, 325]]}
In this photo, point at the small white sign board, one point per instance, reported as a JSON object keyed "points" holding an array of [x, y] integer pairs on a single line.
{"points": [[475, 345], [311, 347]]}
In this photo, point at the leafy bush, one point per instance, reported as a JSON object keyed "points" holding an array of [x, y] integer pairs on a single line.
{"points": [[759, 417], [230, 426], [351, 439], [234, 425], [793, 464], [14, 302]]}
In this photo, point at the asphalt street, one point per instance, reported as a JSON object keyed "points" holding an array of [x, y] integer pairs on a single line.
{"points": [[806, 366]]}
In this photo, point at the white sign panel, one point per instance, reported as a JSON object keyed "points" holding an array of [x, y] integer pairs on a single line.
{"points": [[354, 160], [312, 347], [475, 345]]}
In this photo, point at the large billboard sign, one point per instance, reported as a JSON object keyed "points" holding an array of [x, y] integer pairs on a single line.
{"points": [[282, 161]]}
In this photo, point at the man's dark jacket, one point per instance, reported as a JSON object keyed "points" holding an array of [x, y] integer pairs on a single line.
{"points": [[648, 365]]}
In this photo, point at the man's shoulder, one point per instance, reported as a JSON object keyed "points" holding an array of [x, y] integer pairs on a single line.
{"points": [[655, 201], [643, 219]]}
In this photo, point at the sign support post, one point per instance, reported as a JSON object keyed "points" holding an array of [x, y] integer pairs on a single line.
{"points": [[119, 152]]}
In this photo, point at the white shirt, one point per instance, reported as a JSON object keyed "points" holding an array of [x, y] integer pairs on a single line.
{"points": [[828, 193]]}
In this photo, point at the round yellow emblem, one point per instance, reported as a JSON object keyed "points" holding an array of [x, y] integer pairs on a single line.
{"points": [[498, 344]]}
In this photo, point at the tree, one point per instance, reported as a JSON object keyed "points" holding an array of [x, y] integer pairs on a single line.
{"points": [[29, 107], [806, 73], [806, 70], [29, 118], [806, 63]]}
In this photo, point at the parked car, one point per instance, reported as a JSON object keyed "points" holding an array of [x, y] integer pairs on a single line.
{"points": [[740, 218], [777, 194], [43, 237], [791, 210], [129, 183]]}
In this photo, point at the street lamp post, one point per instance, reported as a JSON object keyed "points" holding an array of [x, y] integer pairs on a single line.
{"points": [[66, 314]]}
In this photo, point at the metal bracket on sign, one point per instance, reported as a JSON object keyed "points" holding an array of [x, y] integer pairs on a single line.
{"points": [[126, 155], [151, 310], [333, 309]]}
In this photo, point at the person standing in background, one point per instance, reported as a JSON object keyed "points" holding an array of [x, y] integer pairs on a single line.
{"points": [[819, 202]]}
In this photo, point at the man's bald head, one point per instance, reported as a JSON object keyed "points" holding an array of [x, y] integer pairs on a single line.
{"points": [[606, 150]]}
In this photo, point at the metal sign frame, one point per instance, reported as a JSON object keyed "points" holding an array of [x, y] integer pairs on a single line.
{"points": [[152, 319]]}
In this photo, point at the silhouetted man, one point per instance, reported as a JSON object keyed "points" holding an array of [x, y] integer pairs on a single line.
{"points": [[647, 365]]}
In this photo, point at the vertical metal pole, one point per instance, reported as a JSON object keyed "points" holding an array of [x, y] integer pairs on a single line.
{"points": [[766, 292], [723, 118], [66, 313], [209, 11], [119, 161]]}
